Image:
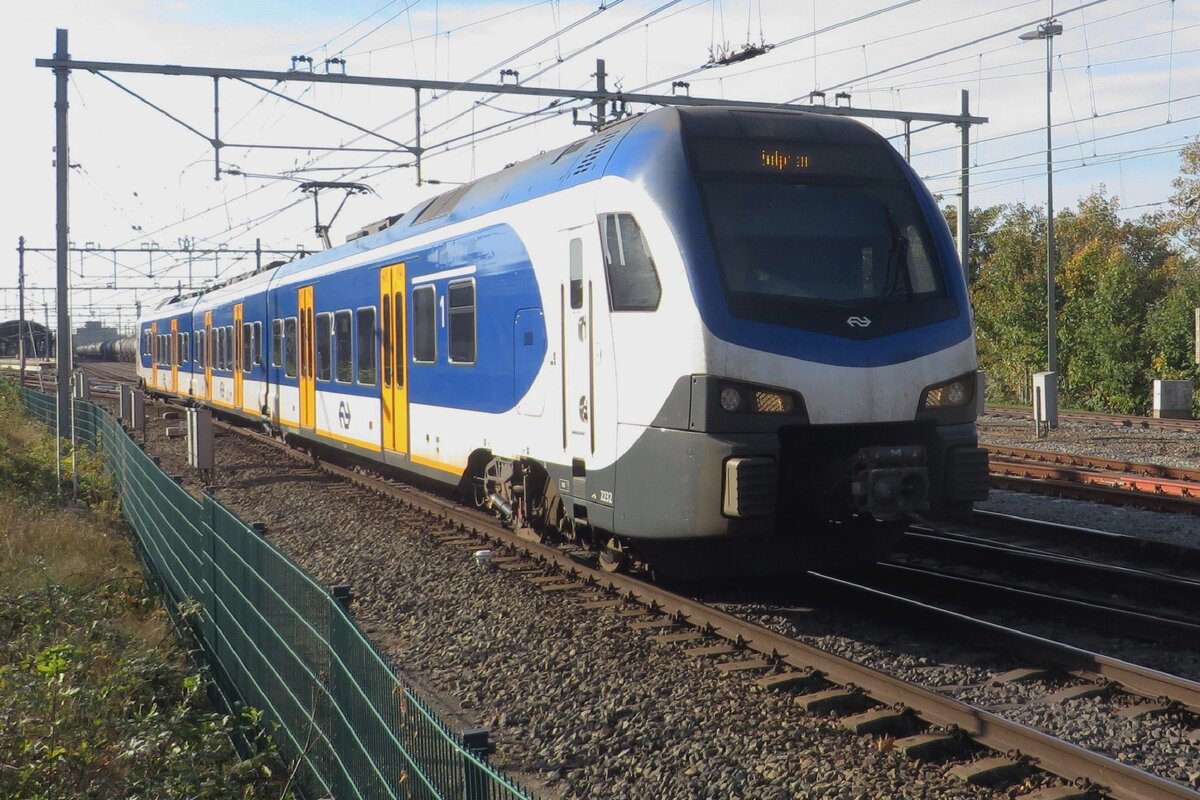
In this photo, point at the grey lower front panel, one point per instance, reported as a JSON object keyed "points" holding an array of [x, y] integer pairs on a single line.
{"points": [[669, 484]]}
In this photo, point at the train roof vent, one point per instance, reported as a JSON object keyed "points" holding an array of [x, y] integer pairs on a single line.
{"points": [[442, 205], [566, 151], [375, 227], [593, 153]]}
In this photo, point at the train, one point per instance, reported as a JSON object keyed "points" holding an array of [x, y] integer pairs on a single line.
{"points": [[701, 338], [123, 349]]}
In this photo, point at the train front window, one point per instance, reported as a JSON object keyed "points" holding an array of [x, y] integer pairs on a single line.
{"points": [[819, 243], [820, 237]]}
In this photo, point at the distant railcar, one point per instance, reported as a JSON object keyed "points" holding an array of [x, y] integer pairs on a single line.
{"points": [[700, 336]]}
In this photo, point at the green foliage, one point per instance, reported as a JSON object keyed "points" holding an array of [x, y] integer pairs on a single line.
{"points": [[1124, 299], [100, 698], [1009, 297], [1183, 220], [95, 709], [27, 462]]}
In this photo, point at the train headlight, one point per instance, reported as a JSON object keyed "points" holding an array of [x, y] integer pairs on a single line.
{"points": [[745, 399], [951, 394]]}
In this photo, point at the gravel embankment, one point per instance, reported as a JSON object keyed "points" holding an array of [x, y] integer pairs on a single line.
{"points": [[590, 709]]}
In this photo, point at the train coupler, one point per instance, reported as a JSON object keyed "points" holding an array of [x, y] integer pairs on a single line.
{"points": [[890, 482]]}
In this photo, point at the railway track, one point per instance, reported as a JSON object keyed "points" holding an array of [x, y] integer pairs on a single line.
{"points": [[928, 725], [781, 662], [1082, 477], [1090, 418], [954, 566]]}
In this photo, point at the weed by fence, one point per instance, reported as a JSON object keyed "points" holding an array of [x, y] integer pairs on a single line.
{"points": [[277, 641]]}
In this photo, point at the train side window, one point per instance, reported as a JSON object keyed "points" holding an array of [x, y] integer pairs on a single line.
{"points": [[289, 347], [632, 279], [229, 354], [277, 343], [247, 346], [256, 338], [460, 296], [200, 350], [324, 332], [185, 347], [366, 346], [424, 325], [387, 341], [576, 253], [343, 337]]}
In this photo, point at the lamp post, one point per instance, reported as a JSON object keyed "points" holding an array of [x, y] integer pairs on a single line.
{"points": [[1048, 30]]}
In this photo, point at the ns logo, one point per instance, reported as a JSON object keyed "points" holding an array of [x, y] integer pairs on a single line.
{"points": [[858, 322]]}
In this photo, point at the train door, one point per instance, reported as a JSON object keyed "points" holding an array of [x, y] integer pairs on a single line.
{"points": [[394, 361], [238, 353], [174, 355], [154, 354], [577, 343], [208, 356], [308, 386]]}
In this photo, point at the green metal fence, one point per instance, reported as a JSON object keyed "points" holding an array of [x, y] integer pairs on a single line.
{"points": [[278, 641]]}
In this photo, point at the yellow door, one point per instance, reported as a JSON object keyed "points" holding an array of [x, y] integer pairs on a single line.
{"points": [[174, 356], [238, 354], [308, 386], [394, 361], [208, 355], [154, 354]]}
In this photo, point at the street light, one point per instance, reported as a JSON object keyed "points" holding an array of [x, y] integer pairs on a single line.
{"points": [[1048, 30]]}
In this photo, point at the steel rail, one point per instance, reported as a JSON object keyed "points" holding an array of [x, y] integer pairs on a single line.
{"points": [[998, 555], [1122, 544], [1038, 480], [1065, 759], [1137, 623], [1137, 679], [1069, 761], [1119, 420], [1090, 462]]}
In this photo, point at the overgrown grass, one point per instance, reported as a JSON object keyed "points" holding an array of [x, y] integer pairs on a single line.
{"points": [[99, 697]]}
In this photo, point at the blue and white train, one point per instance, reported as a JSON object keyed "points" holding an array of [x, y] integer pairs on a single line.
{"points": [[703, 333]]}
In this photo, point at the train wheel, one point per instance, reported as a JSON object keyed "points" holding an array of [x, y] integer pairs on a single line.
{"points": [[613, 558]]}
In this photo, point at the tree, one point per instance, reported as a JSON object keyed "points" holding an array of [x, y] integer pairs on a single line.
{"points": [[1183, 219], [1008, 295]]}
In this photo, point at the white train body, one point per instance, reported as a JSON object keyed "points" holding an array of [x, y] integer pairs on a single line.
{"points": [[695, 325]]}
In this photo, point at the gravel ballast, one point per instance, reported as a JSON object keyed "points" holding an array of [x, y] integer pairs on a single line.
{"points": [[588, 708]]}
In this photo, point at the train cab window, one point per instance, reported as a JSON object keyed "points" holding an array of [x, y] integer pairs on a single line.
{"points": [[424, 325], [366, 346], [256, 344], [632, 279], [277, 343], [324, 331], [576, 258], [247, 346], [289, 347], [460, 297], [343, 337]]}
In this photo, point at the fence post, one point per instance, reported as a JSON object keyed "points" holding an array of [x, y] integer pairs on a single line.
{"points": [[475, 779]]}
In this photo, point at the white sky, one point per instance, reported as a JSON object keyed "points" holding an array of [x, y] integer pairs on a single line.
{"points": [[1127, 97]]}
